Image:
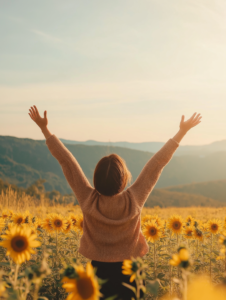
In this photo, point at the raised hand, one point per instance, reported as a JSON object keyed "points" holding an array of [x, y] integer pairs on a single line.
{"points": [[35, 116], [192, 122]]}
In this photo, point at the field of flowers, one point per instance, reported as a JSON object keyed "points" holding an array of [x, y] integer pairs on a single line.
{"points": [[39, 256]]}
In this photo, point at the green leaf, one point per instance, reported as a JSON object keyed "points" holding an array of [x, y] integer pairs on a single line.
{"points": [[160, 275], [215, 269], [5, 264], [153, 287], [112, 297], [129, 287], [102, 281]]}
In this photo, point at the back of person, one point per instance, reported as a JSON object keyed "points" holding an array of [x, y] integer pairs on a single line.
{"points": [[111, 225]]}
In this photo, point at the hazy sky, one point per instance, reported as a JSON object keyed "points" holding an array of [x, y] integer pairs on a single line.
{"points": [[119, 70]]}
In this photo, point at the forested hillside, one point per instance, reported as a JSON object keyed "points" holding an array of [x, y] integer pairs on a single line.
{"points": [[23, 161], [213, 189], [158, 197]]}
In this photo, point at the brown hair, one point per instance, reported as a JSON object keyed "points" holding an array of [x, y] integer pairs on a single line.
{"points": [[111, 175]]}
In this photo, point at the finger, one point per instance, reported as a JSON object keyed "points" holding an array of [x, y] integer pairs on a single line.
{"points": [[30, 116], [45, 114], [31, 112], [182, 118], [196, 123], [192, 117], [36, 110], [196, 118]]}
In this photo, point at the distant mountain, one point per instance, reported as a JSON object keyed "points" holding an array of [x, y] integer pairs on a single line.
{"points": [[213, 189], [23, 161], [155, 146]]}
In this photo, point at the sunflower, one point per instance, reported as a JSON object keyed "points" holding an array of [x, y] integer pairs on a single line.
{"points": [[158, 221], [189, 219], [222, 239], [129, 267], [46, 224], [38, 223], [198, 234], [180, 259], [197, 223], [152, 231], [68, 225], [145, 219], [214, 226], [188, 232], [202, 288], [5, 214], [58, 222], [74, 221], [33, 229], [2, 224], [175, 223], [27, 217], [79, 223], [19, 242], [204, 227], [18, 219], [11, 213], [86, 287]]}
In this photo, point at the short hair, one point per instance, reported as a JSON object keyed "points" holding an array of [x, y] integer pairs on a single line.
{"points": [[111, 175]]}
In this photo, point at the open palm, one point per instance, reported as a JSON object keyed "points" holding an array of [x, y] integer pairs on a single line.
{"points": [[192, 122], [35, 116]]}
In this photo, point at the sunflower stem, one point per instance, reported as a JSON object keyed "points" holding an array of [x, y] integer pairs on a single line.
{"points": [[184, 275], [56, 246], [16, 274], [178, 271], [36, 291], [78, 245], [197, 248], [211, 246], [154, 260], [225, 261], [138, 284]]}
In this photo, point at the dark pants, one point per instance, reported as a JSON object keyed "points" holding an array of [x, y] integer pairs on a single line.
{"points": [[113, 272]]}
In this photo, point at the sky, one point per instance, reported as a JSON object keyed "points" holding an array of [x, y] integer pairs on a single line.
{"points": [[119, 70]]}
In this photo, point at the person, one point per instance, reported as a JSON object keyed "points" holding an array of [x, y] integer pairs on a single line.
{"points": [[111, 212]]}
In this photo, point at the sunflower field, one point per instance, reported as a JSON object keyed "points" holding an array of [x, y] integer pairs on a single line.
{"points": [[39, 256]]}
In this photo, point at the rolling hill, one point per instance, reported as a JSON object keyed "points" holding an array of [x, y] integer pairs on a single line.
{"points": [[23, 161], [153, 147], [213, 189], [158, 197]]}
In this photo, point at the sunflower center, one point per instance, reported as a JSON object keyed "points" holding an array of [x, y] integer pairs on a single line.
{"points": [[85, 288], [58, 223], [152, 231], [214, 227], [19, 243], [19, 220], [176, 225]]}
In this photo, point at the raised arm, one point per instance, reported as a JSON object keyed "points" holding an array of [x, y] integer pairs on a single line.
{"points": [[151, 172], [71, 168]]}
